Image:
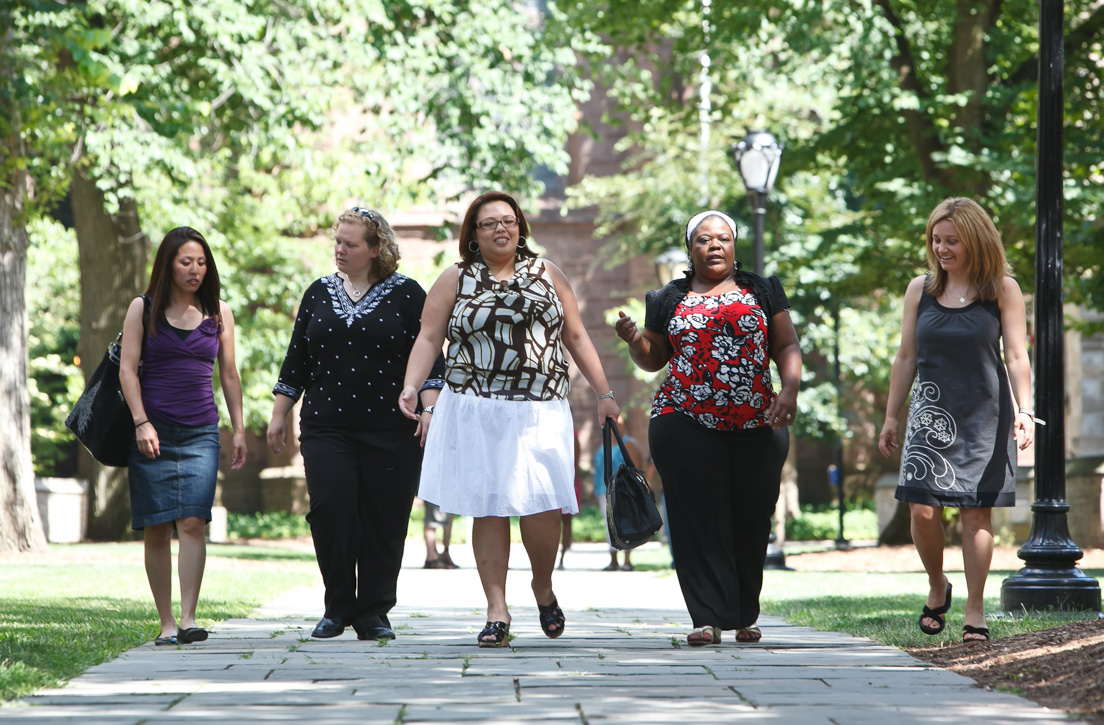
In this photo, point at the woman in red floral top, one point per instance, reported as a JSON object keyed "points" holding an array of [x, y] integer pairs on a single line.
{"points": [[718, 431]]}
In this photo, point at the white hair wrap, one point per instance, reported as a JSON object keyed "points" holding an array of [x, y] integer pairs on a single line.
{"points": [[699, 218]]}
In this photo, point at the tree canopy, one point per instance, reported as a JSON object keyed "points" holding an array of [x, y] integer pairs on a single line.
{"points": [[885, 107]]}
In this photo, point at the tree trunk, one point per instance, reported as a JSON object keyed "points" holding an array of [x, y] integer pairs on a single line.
{"points": [[20, 527], [968, 72], [787, 506], [899, 528], [113, 253]]}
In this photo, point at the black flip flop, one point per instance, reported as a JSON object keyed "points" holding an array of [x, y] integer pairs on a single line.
{"points": [[191, 634], [970, 629], [166, 641], [551, 616], [937, 614]]}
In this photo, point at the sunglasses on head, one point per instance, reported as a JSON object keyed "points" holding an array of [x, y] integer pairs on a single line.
{"points": [[365, 213]]}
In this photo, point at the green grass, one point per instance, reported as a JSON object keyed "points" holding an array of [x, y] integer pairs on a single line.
{"points": [[812, 524], [57, 619], [824, 525], [587, 526], [885, 607]]}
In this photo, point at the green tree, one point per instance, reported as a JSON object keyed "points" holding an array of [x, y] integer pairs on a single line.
{"points": [[254, 121], [885, 107]]}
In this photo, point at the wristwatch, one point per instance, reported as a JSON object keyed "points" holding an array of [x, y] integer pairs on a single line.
{"points": [[428, 409]]}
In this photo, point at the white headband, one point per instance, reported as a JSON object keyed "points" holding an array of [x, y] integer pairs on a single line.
{"points": [[699, 218]]}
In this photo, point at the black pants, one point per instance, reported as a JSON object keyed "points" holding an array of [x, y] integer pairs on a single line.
{"points": [[720, 488], [361, 484]]}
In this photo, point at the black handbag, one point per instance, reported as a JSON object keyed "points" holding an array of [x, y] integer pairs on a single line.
{"points": [[631, 513], [101, 419]]}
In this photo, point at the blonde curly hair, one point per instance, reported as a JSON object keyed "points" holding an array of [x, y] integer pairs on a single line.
{"points": [[377, 233]]}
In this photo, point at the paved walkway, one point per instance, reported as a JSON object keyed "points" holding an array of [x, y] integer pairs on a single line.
{"points": [[622, 659]]}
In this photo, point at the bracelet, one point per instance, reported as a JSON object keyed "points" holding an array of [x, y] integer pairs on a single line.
{"points": [[609, 395], [140, 423], [428, 409], [1031, 414]]}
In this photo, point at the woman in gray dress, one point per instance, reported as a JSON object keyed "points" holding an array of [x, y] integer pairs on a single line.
{"points": [[959, 446]]}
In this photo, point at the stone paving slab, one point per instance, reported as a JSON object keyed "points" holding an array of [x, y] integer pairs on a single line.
{"points": [[622, 659]]}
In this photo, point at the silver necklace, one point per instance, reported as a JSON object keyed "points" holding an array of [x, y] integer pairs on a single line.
{"points": [[960, 299], [356, 293]]}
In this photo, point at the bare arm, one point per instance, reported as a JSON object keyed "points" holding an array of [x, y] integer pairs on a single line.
{"points": [[277, 426], [579, 344], [904, 370], [133, 335], [785, 350], [435, 318], [649, 350], [231, 384], [1014, 334]]}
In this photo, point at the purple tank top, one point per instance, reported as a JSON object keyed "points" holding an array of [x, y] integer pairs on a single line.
{"points": [[176, 375]]}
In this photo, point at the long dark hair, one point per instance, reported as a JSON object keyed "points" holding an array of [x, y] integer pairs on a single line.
{"points": [[467, 229], [159, 290]]}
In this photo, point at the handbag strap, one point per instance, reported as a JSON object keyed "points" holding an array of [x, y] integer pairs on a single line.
{"points": [[611, 428]]}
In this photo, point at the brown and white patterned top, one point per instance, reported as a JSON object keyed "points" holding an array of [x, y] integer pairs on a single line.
{"points": [[504, 337]]}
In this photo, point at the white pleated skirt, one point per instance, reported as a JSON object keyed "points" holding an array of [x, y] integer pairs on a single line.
{"points": [[492, 457]]}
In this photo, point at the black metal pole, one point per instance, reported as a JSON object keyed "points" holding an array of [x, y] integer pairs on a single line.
{"points": [[1049, 578], [841, 542], [759, 212]]}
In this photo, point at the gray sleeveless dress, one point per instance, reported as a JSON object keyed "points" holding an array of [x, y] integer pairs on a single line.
{"points": [[959, 449]]}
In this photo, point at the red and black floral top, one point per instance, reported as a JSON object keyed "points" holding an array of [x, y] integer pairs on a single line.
{"points": [[719, 373]]}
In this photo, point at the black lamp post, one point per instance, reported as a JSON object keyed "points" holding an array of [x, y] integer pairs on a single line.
{"points": [[757, 157], [670, 264], [1050, 577]]}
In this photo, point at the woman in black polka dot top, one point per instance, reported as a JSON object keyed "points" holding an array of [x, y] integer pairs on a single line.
{"points": [[347, 356]]}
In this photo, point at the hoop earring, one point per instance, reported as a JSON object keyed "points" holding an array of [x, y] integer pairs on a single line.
{"points": [[472, 246], [521, 243]]}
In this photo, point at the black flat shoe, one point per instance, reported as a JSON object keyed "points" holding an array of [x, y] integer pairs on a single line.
{"points": [[937, 614], [373, 633], [328, 628], [166, 641], [192, 634]]}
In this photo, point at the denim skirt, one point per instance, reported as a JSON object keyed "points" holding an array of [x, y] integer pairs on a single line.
{"points": [[179, 483]]}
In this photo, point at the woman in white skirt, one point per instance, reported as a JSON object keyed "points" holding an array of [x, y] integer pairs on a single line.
{"points": [[501, 443]]}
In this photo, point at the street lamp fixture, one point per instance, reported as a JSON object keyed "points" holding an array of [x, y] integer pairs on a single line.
{"points": [[758, 156], [670, 265]]}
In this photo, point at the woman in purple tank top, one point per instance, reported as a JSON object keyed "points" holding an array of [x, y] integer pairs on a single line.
{"points": [[165, 373]]}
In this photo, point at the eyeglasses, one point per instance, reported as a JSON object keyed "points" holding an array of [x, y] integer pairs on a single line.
{"points": [[507, 222], [365, 213]]}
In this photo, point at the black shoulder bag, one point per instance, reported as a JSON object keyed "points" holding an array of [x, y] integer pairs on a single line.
{"points": [[631, 513], [101, 419]]}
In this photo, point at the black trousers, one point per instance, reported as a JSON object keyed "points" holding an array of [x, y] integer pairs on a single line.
{"points": [[362, 485], [720, 488]]}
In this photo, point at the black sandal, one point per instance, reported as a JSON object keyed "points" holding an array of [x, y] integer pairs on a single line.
{"points": [[552, 616], [499, 630], [937, 614], [970, 629]]}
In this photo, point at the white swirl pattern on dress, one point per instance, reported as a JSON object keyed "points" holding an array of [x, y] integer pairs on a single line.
{"points": [[930, 429]]}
